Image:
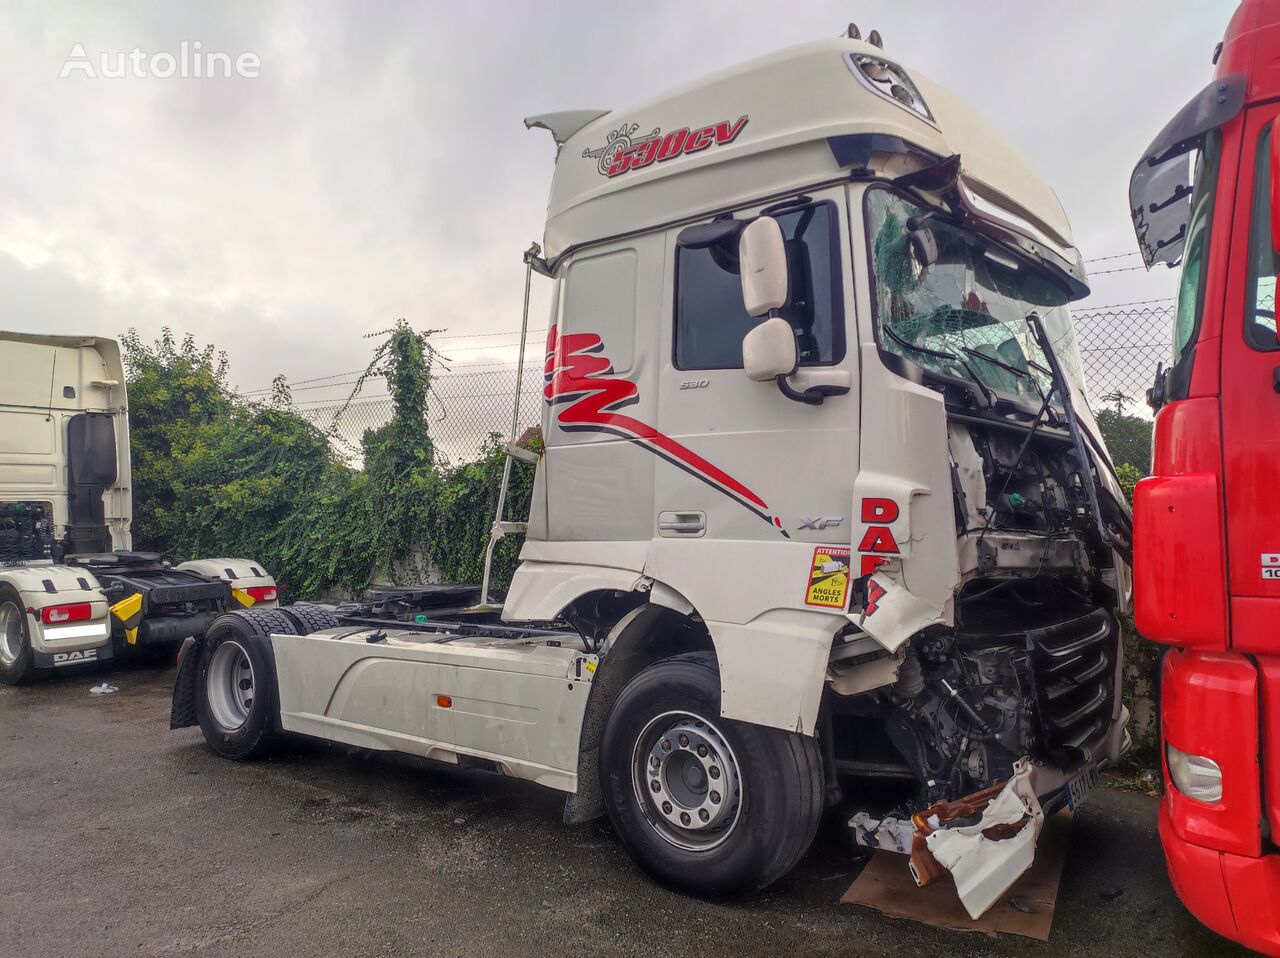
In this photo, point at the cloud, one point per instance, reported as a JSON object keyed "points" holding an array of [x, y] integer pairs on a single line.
{"points": [[378, 168]]}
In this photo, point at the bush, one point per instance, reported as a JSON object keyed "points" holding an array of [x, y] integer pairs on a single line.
{"points": [[214, 474]]}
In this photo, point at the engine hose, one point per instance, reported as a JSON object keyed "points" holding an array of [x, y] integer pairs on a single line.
{"points": [[965, 707]]}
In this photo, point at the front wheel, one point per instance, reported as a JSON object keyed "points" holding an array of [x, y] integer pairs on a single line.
{"points": [[706, 805]]}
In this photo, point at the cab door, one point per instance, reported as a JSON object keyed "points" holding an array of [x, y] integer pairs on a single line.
{"points": [[744, 462], [1251, 393]]}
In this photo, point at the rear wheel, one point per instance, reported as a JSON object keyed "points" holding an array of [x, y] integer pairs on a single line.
{"points": [[17, 663], [308, 618], [704, 804], [236, 683]]}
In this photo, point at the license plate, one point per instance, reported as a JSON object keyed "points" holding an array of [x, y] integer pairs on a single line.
{"points": [[1078, 788]]}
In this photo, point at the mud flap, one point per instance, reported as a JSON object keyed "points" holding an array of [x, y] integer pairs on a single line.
{"points": [[182, 713], [985, 858]]}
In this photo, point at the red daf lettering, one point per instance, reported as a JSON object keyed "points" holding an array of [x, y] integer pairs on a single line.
{"points": [[881, 511], [878, 539], [870, 564]]}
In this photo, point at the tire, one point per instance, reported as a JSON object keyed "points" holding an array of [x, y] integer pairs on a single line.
{"points": [[238, 719], [308, 618], [662, 800], [17, 661]]}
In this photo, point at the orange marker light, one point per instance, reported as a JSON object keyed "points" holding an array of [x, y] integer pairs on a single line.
{"points": [[444, 701]]}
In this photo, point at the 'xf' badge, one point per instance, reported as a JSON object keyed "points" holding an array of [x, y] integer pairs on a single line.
{"points": [[821, 522]]}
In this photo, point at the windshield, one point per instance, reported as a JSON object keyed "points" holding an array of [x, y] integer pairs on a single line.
{"points": [[955, 303]]}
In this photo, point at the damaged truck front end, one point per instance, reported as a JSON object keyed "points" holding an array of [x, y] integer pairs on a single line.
{"points": [[993, 579]]}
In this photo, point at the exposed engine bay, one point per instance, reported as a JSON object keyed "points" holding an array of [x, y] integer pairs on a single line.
{"points": [[968, 705], [1028, 670]]}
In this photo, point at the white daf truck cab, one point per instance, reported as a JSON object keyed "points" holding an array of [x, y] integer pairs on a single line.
{"points": [[72, 591], [822, 516]]}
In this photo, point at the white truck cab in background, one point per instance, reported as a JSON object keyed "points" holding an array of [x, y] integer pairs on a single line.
{"points": [[822, 516], [68, 578]]}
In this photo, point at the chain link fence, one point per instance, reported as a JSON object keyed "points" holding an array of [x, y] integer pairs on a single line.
{"points": [[465, 407], [1120, 347]]}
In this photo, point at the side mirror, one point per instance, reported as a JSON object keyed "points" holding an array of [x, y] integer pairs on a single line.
{"points": [[769, 350], [762, 266]]}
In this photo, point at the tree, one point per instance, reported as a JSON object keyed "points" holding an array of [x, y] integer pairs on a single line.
{"points": [[1128, 438], [215, 474]]}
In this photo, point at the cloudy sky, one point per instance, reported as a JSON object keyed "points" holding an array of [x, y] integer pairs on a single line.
{"points": [[377, 166]]}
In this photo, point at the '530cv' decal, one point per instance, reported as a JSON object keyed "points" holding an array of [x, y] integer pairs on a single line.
{"points": [[580, 381]]}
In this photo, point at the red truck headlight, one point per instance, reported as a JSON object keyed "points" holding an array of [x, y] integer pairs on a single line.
{"points": [[1195, 776]]}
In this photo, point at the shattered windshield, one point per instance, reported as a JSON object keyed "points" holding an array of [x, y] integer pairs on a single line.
{"points": [[955, 303]]}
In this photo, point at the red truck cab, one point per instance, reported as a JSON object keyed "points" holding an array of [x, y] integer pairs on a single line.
{"points": [[1206, 196]]}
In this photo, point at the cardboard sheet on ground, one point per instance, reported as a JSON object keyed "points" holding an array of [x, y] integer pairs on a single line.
{"points": [[886, 885]]}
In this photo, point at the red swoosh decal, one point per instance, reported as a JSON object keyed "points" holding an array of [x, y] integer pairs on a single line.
{"points": [[579, 376]]}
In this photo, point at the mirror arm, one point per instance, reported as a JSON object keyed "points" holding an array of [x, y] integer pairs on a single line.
{"points": [[812, 396]]}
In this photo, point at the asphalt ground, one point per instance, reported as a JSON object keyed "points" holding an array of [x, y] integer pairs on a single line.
{"points": [[120, 837]]}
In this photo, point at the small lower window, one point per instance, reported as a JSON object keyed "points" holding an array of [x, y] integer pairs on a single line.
{"points": [[711, 320]]}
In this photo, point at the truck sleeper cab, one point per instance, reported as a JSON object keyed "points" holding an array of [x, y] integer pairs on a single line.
{"points": [[1206, 197], [821, 517], [72, 591]]}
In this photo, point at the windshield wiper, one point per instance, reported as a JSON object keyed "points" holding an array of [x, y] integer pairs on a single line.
{"points": [[987, 394], [1020, 373], [1009, 367]]}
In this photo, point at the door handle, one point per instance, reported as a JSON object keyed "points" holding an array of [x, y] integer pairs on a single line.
{"points": [[682, 523]]}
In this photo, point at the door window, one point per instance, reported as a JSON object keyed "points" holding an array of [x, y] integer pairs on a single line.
{"points": [[710, 317], [1260, 301]]}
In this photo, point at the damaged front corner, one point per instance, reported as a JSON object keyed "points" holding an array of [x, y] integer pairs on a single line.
{"points": [[893, 613]]}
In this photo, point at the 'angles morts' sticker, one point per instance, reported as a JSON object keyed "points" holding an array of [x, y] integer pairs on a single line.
{"points": [[828, 577]]}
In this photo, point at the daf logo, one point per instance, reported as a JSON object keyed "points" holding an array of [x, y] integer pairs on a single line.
{"points": [[72, 658], [821, 522]]}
